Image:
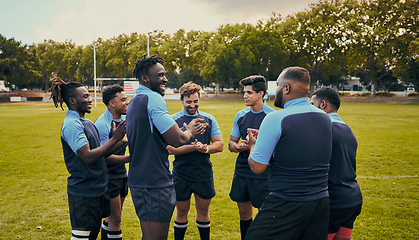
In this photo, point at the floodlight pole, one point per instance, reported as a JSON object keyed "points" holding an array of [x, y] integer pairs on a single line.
{"points": [[94, 68], [148, 45]]}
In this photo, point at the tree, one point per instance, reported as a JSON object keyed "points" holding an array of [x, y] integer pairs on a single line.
{"points": [[17, 63]]}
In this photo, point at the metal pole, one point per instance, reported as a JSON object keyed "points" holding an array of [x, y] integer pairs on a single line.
{"points": [[148, 45], [94, 68]]}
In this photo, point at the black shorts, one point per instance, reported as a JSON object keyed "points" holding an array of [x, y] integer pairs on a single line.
{"points": [[154, 204], [245, 189], [344, 217], [184, 189], [118, 187], [281, 219], [88, 212]]}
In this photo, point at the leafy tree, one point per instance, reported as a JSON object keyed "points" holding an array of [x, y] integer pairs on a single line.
{"points": [[17, 63]]}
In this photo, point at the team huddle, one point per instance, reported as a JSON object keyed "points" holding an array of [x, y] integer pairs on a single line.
{"points": [[296, 165]]}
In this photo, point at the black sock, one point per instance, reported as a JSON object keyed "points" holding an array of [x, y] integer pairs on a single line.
{"points": [[180, 229], [204, 229], [104, 231], [115, 235], [244, 226]]}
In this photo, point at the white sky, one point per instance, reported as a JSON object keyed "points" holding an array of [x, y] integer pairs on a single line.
{"points": [[81, 21]]}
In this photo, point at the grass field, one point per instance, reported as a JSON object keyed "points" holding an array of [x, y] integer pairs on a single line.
{"points": [[33, 198]]}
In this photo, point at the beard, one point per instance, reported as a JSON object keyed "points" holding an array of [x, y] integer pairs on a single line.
{"points": [[278, 100]]}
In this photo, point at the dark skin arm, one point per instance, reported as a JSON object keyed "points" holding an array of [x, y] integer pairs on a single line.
{"points": [[116, 159], [90, 155], [176, 137]]}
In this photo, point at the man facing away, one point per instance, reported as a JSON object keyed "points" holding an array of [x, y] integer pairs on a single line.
{"points": [[248, 189], [344, 192], [149, 129], [116, 102], [296, 142], [87, 185], [192, 168]]}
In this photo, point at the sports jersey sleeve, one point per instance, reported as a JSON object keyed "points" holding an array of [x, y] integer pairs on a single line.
{"points": [[215, 129], [269, 133], [159, 114], [104, 130], [235, 132], [73, 134]]}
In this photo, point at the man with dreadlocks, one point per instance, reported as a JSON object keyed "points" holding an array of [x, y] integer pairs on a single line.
{"points": [[84, 157], [149, 129]]}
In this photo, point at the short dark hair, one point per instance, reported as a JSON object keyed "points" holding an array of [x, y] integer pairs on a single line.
{"points": [[298, 74], [189, 88], [329, 94], [143, 65], [62, 91], [258, 83], [109, 92]]}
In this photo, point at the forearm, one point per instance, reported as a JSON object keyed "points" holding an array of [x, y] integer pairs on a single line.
{"points": [[91, 155], [180, 150], [216, 147], [117, 159]]}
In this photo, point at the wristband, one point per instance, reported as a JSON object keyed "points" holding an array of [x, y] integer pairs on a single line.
{"points": [[207, 151]]}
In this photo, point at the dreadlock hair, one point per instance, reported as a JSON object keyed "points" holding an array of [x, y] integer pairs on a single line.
{"points": [[62, 91], [143, 65], [258, 83], [110, 92], [329, 94], [188, 89]]}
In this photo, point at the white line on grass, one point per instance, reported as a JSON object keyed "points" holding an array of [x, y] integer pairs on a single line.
{"points": [[402, 176]]}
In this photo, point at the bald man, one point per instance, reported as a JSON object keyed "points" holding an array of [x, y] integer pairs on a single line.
{"points": [[296, 143]]}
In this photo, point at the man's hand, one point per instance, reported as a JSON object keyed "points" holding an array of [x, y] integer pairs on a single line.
{"points": [[195, 127], [252, 135], [200, 147], [240, 147], [119, 132]]}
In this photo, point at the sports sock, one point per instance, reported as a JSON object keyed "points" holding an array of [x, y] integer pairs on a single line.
{"points": [[104, 231], [204, 229], [115, 235], [244, 226], [180, 229], [79, 235]]}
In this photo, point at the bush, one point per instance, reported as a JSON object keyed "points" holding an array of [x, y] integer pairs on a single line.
{"points": [[384, 94], [365, 94], [413, 94], [344, 94]]}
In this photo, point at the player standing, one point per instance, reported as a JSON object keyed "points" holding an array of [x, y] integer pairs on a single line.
{"points": [[344, 192], [87, 188], [192, 168], [116, 102], [248, 189]]}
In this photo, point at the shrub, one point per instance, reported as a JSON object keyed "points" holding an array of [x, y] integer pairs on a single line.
{"points": [[344, 94], [413, 94], [384, 94]]}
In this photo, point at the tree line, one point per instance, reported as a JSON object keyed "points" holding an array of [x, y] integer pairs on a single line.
{"points": [[375, 40]]}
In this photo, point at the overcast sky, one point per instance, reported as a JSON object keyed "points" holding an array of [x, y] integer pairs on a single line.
{"points": [[82, 21]]}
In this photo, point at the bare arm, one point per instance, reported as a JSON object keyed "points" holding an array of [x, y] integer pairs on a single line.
{"points": [[90, 155], [217, 145], [256, 167], [234, 146], [116, 159], [176, 137]]}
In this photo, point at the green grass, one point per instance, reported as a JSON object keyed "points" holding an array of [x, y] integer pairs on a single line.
{"points": [[33, 199]]}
